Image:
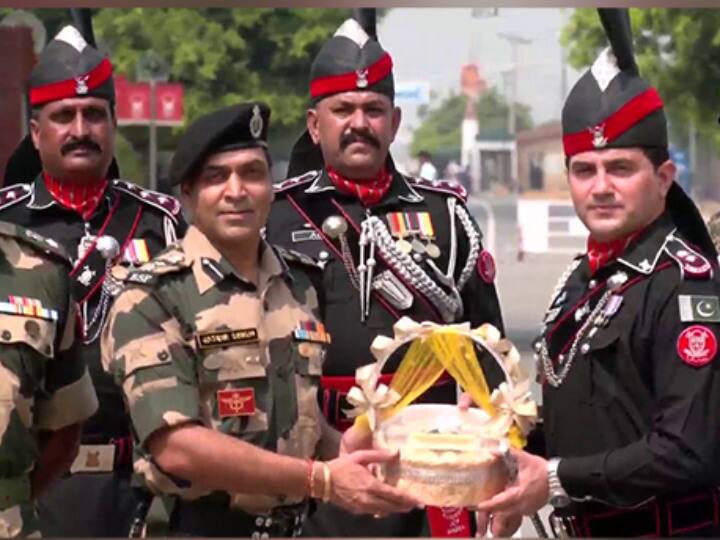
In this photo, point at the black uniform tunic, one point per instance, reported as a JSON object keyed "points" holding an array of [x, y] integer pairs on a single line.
{"points": [[636, 421], [125, 212], [300, 208]]}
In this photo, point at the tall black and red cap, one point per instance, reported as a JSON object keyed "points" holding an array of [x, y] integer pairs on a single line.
{"points": [[70, 67], [351, 60], [611, 106]]}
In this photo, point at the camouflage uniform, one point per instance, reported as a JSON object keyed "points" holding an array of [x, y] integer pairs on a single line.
{"points": [[43, 384], [190, 341]]}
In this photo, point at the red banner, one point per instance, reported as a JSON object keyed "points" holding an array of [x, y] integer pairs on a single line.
{"points": [[133, 103]]}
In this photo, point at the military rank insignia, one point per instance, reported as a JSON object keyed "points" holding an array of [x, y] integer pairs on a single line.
{"points": [[136, 252], [30, 307], [311, 331], [236, 402], [414, 232]]}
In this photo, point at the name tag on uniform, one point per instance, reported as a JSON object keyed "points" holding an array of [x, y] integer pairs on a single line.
{"points": [[304, 236], [236, 402], [224, 338], [699, 308]]}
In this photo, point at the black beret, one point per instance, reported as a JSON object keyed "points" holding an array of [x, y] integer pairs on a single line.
{"points": [[232, 128]]}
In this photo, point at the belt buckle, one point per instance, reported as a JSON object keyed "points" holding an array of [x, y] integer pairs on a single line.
{"points": [[94, 458]]}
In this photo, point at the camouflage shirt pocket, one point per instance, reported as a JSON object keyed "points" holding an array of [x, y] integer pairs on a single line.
{"points": [[309, 358], [38, 334], [231, 363]]}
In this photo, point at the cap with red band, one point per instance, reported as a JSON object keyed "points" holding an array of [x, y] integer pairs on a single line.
{"points": [[351, 60], [70, 67], [611, 106]]}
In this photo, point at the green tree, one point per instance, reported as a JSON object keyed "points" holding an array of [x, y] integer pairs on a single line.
{"points": [[224, 56], [440, 128], [677, 50]]}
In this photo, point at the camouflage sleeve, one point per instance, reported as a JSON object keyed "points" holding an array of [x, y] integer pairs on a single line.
{"points": [[69, 394], [144, 350]]}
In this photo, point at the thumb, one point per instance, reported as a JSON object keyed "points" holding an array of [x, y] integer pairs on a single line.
{"points": [[465, 401]]}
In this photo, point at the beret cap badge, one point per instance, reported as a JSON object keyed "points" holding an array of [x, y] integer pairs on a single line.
{"points": [[256, 122]]}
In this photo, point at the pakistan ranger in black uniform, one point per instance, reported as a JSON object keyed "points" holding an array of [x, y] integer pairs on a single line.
{"points": [[63, 190], [391, 245], [629, 350]]}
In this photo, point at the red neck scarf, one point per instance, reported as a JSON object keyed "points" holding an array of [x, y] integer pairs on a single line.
{"points": [[601, 253], [81, 198], [370, 191]]}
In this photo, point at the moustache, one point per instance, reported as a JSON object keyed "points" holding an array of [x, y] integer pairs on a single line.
{"points": [[358, 136], [77, 144]]}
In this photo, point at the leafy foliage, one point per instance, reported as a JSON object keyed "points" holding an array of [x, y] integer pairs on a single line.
{"points": [[440, 129]]}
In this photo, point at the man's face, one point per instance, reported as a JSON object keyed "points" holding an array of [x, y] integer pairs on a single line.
{"points": [[618, 191], [229, 199], [75, 138], [354, 130]]}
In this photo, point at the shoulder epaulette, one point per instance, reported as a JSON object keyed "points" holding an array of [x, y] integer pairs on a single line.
{"points": [[692, 263], [292, 256], [290, 183], [32, 238], [443, 186], [11, 195], [170, 260], [168, 204]]}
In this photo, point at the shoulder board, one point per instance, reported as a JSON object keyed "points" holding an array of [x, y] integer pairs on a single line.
{"points": [[32, 238], [292, 256], [290, 183], [170, 260], [168, 204], [14, 194], [449, 187], [692, 263]]}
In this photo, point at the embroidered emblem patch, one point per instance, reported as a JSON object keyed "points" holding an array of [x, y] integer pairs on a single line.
{"points": [[697, 345], [486, 266], [236, 402], [304, 236], [223, 338]]}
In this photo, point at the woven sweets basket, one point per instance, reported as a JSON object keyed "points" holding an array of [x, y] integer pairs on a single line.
{"points": [[448, 457]]}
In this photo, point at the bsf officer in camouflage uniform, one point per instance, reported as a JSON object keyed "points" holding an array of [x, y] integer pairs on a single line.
{"points": [[45, 388], [714, 228], [629, 349], [67, 190], [218, 347], [390, 245]]}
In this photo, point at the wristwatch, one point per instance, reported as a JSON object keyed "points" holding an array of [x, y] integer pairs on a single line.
{"points": [[558, 496]]}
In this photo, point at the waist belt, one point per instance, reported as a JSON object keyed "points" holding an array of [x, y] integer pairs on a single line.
{"points": [[14, 490], [335, 388], [658, 518], [99, 457]]}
